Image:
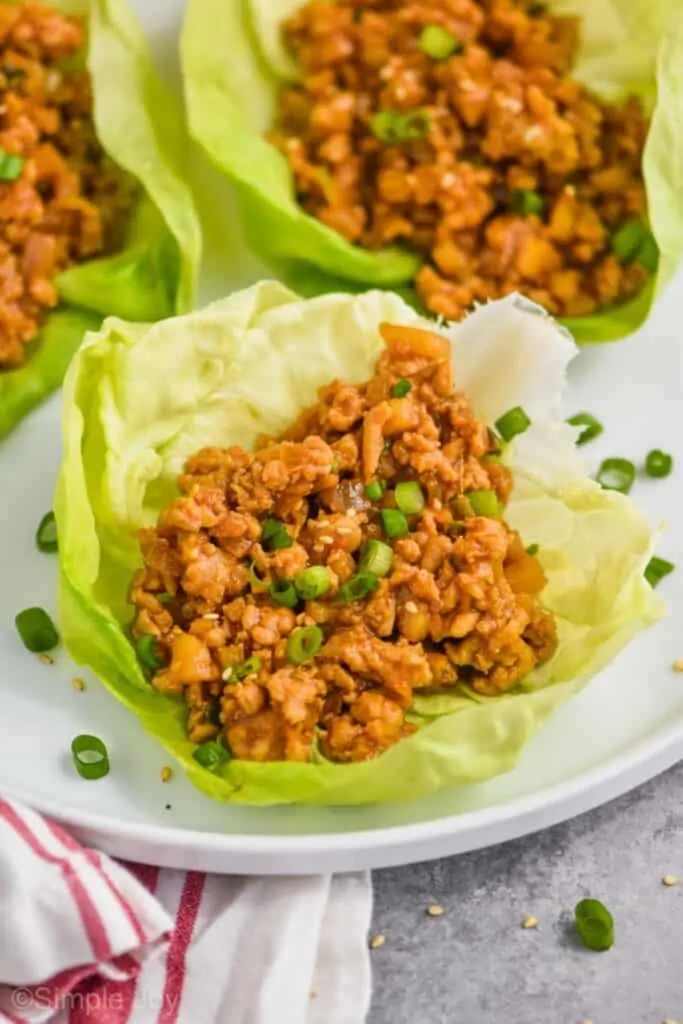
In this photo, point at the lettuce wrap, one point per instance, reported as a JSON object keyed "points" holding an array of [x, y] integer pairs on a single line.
{"points": [[140, 126], [248, 365], [234, 64]]}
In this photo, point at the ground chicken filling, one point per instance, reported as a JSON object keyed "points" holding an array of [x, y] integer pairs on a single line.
{"points": [[299, 595], [453, 127], [61, 198]]}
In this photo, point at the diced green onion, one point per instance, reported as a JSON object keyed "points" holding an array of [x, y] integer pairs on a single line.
{"points": [[595, 925], [246, 668], [258, 583], [334, 468], [484, 503], [283, 592], [656, 569], [274, 536], [648, 254], [37, 630], [312, 583], [388, 443], [438, 43], [658, 463], [409, 497], [400, 388], [532, 549], [164, 598], [358, 587], [210, 755], [376, 558], [11, 165], [628, 239], [46, 534], [616, 475], [304, 643], [12, 74], [91, 756], [148, 653], [374, 491], [528, 202], [514, 421], [456, 528], [393, 126], [592, 427], [394, 523]]}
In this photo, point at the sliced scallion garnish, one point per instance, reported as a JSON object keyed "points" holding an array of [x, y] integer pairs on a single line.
{"points": [[616, 474], [249, 667], [312, 583], [37, 630], [532, 549], [11, 165], [374, 490], [283, 592], [210, 755], [46, 534], [656, 569], [400, 388], [514, 421], [438, 43], [303, 644], [91, 756], [394, 522], [147, 651], [274, 535], [595, 925], [409, 497], [358, 587], [484, 503], [528, 202], [394, 126], [658, 463], [376, 558], [592, 427]]}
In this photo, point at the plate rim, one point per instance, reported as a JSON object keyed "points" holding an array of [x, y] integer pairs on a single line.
{"points": [[551, 805]]}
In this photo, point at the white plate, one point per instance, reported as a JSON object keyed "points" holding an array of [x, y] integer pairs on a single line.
{"points": [[626, 727]]}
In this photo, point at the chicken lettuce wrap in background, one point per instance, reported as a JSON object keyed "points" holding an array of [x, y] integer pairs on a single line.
{"points": [[334, 556], [96, 216], [456, 153]]}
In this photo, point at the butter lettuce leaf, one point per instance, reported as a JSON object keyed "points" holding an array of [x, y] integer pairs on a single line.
{"points": [[234, 62], [140, 125], [247, 365]]}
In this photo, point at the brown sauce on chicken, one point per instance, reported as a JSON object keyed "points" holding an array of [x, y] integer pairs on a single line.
{"points": [[297, 596], [491, 161]]}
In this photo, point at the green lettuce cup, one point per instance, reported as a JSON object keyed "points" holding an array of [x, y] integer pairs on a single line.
{"points": [[140, 126], [234, 63], [247, 366]]}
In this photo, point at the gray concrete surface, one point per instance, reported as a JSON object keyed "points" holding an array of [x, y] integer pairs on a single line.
{"points": [[477, 965]]}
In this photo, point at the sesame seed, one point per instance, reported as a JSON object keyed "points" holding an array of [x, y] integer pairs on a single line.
{"points": [[344, 530], [435, 910], [678, 665], [166, 774], [377, 940], [670, 880], [324, 522], [226, 673], [411, 607], [530, 922], [669, 1021], [45, 659], [78, 684], [211, 616], [326, 539]]}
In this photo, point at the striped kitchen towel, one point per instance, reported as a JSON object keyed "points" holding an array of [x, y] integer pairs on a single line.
{"points": [[84, 938]]}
